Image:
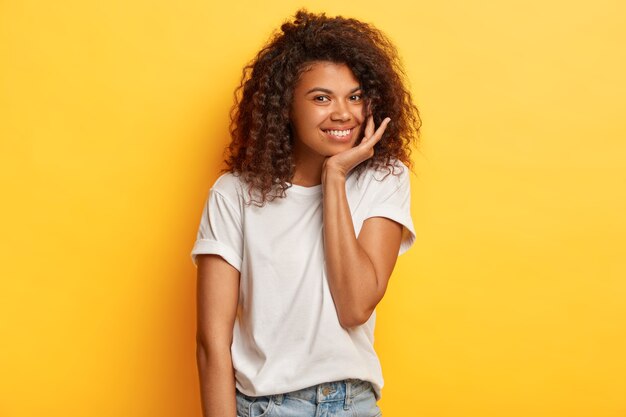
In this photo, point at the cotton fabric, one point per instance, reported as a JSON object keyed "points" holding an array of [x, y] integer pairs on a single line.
{"points": [[287, 334]]}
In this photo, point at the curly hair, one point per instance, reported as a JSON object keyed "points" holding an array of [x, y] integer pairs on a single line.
{"points": [[262, 141]]}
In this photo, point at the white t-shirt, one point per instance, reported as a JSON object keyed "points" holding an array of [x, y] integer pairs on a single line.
{"points": [[287, 334]]}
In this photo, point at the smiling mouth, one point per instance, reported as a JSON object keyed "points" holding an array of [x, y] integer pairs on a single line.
{"points": [[340, 134]]}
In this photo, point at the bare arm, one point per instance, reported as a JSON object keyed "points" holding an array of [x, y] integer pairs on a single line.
{"points": [[217, 297], [358, 269]]}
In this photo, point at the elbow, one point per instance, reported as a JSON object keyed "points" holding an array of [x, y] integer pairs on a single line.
{"points": [[201, 343], [202, 358], [210, 358], [201, 351], [207, 349], [355, 318]]}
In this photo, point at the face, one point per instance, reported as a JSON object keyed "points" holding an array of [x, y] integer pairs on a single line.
{"points": [[327, 111]]}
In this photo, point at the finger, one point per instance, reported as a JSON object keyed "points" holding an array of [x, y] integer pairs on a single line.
{"points": [[379, 132], [369, 129]]}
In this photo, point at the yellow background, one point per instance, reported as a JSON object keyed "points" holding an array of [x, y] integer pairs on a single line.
{"points": [[512, 300]]}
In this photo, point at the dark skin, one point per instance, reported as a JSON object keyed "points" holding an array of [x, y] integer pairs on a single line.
{"points": [[328, 116]]}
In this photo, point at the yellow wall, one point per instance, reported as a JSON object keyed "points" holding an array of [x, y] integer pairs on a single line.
{"points": [[114, 115]]}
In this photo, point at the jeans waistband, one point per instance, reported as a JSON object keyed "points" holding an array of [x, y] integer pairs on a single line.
{"points": [[343, 390]]}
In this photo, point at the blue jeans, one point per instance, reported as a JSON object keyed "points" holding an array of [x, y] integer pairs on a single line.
{"points": [[347, 398]]}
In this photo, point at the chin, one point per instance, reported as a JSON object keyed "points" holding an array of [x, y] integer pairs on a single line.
{"points": [[338, 150]]}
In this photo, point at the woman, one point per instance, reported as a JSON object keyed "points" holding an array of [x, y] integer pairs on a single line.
{"points": [[299, 236]]}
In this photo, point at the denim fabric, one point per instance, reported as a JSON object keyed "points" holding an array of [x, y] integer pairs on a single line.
{"points": [[347, 398]]}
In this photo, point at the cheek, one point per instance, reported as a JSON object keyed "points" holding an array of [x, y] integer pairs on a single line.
{"points": [[359, 114], [313, 118], [319, 114]]}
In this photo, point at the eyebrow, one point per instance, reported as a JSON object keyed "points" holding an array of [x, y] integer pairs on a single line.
{"points": [[327, 91]]}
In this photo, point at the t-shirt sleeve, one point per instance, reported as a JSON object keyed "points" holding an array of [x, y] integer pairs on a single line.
{"points": [[393, 201], [220, 232]]}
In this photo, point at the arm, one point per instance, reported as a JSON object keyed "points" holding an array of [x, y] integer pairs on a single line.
{"points": [[358, 269], [217, 297]]}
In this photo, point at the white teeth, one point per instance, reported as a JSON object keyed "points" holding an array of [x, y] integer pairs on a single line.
{"points": [[339, 133]]}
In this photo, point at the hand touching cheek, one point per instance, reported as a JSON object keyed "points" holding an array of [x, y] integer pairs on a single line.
{"points": [[343, 162]]}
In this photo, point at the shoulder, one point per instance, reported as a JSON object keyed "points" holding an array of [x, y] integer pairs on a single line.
{"points": [[394, 176], [397, 170], [230, 187]]}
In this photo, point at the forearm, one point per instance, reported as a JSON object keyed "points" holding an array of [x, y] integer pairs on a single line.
{"points": [[217, 381], [351, 274]]}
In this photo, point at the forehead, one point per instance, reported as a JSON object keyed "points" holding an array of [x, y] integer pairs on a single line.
{"points": [[329, 75]]}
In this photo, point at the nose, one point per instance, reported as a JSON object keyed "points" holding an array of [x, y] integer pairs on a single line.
{"points": [[340, 113]]}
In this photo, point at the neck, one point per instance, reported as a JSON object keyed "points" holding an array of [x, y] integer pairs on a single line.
{"points": [[308, 171]]}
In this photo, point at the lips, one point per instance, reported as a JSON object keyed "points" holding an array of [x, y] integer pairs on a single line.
{"points": [[339, 134]]}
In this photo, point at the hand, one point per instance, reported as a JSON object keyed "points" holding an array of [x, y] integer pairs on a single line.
{"points": [[345, 161]]}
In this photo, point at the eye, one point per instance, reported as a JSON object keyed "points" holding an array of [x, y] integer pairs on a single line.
{"points": [[355, 97], [321, 99]]}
